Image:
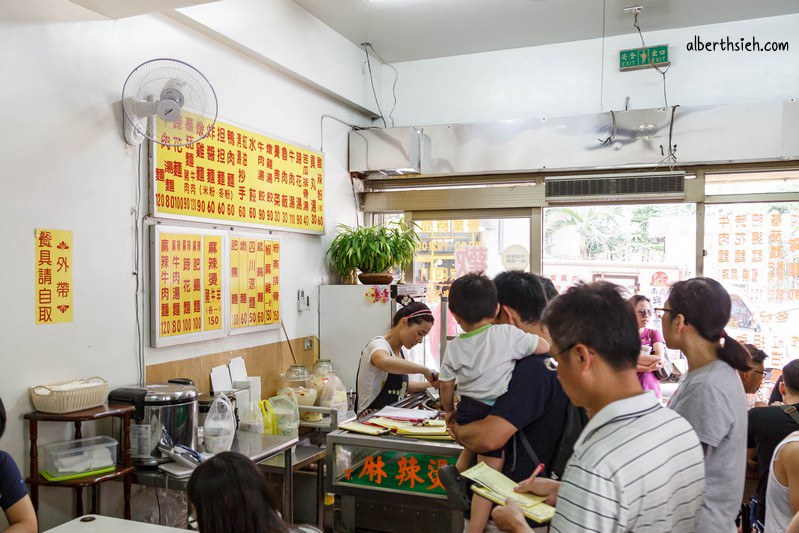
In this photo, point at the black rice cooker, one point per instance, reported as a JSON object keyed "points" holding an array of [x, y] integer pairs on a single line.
{"points": [[166, 414]]}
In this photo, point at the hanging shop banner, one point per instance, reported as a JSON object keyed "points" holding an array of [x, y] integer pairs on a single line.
{"points": [[238, 176], [254, 282], [53, 276]]}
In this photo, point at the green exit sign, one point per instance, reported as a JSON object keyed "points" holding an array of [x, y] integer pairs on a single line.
{"points": [[651, 56]]}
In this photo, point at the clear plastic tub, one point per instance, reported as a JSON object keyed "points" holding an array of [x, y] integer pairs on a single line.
{"points": [[78, 458]]}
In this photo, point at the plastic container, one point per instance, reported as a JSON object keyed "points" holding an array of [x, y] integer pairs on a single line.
{"points": [[78, 458], [287, 415]]}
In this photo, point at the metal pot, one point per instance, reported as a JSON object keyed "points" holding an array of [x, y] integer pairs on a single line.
{"points": [[165, 413]]}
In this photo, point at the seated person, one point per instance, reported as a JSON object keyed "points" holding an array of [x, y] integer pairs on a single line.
{"points": [[14, 497], [228, 493]]}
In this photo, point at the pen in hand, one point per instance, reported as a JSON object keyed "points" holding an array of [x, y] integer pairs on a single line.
{"points": [[538, 470]]}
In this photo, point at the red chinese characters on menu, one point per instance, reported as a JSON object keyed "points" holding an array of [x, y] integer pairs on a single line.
{"points": [[180, 284], [241, 176], [254, 282]]}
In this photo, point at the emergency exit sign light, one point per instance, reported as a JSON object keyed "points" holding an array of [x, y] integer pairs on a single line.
{"points": [[638, 58]]}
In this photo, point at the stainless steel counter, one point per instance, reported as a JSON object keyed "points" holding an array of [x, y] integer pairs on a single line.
{"points": [[386, 482]]}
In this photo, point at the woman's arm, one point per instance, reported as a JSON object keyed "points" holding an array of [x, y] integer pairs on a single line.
{"points": [[396, 365], [21, 517]]}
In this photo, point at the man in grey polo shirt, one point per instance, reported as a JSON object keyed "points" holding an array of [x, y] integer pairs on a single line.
{"points": [[637, 466]]}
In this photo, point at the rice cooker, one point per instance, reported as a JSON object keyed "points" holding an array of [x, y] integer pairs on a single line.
{"points": [[166, 413]]}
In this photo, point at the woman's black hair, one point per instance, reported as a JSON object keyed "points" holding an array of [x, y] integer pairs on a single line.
{"points": [[2, 418], [417, 312], [637, 298], [706, 305], [230, 495]]}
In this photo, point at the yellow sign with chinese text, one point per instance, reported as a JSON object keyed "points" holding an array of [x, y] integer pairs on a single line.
{"points": [[180, 283], [212, 291], [53, 275], [254, 282], [241, 176]]}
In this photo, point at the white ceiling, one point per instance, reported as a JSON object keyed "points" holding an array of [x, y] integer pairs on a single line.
{"points": [[407, 30]]}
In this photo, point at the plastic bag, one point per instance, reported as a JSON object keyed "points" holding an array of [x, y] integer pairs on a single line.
{"points": [[287, 413], [334, 395], [220, 426]]}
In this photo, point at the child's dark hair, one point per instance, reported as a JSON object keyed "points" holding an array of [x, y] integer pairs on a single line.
{"points": [[415, 312], [473, 298], [705, 305], [2, 418]]}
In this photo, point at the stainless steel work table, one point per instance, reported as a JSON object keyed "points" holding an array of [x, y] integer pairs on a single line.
{"points": [[256, 446]]}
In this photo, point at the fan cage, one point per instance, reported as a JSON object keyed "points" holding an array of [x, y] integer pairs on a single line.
{"points": [[199, 110]]}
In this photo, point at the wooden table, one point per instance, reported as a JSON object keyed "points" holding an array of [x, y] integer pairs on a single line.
{"points": [[77, 418]]}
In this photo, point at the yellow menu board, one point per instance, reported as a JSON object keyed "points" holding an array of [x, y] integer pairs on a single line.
{"points": [[254, 281], [210, 283], [53, 275], [180, 283], [241, 176], [212, 291]]}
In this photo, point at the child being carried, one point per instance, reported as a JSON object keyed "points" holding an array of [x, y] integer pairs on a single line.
{"points": [[482, 360]]}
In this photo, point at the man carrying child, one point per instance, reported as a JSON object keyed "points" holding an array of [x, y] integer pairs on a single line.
{"points": [[482, 360]]}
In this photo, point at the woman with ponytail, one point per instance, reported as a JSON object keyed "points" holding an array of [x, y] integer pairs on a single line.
{"points": [[383, 370], [711, 396]]}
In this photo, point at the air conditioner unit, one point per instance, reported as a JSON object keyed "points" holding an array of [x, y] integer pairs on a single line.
{"points": [[389, 151], [611, 187]]}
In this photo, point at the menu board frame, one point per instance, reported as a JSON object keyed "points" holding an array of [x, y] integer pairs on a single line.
{"points": [[248, 199], [170, 258]]}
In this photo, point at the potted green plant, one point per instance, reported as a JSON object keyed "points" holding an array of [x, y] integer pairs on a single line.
{"points": [[374, 251]]}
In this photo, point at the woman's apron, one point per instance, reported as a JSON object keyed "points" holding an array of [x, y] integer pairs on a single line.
{"points": [[394, 389]]}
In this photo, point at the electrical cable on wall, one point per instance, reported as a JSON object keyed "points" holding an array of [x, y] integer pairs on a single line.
{"points": [[393, 86], [137, 156], [662, 72], [371, 79], [354, 127], [602, 63]]}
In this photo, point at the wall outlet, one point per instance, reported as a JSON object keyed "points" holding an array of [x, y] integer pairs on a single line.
{"points": [[309, 343], [303, 300]]}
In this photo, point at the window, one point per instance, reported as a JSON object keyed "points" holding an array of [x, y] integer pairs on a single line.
{"points": [[752, 182], [644, 248], [753, 250]]}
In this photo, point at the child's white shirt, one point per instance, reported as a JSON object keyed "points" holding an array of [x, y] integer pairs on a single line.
{"points": [[483, 360]]}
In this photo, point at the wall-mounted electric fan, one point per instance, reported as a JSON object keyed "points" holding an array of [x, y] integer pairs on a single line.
{"points": [[169, 102]]}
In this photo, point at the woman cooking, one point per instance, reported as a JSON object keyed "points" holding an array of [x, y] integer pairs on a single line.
{"points": [[383, 370]]}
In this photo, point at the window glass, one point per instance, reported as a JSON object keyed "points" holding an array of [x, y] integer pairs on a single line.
{"points": [[644, 248], [752, 182], [753, 250], [452, 248]]}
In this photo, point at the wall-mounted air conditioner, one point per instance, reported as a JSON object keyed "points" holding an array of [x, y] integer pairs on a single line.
{"points": [[606, 187], [389, 151]]}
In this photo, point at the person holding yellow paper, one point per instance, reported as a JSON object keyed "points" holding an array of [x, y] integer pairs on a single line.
{"points": [[620, 477]]}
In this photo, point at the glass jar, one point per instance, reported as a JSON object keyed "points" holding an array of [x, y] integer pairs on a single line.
{"points": [[298, 378], [322, 366]]}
